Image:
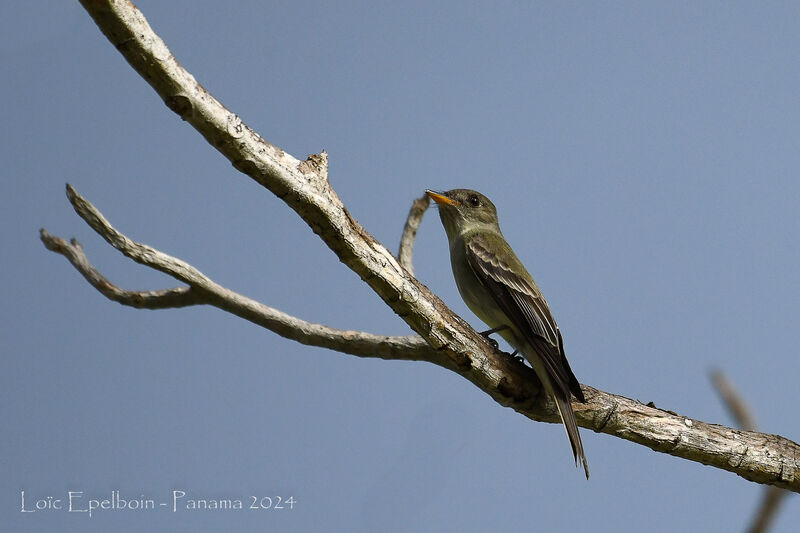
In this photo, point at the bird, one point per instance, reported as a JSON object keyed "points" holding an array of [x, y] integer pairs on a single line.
{"points": [[495, 285]]}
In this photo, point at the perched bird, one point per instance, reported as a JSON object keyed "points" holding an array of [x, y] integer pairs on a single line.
{"points": [[496, 287]]}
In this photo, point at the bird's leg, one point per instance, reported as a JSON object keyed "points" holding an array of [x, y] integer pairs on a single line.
{"points": [[517, 358], [497, 346], [494, 342], [493, 330]]}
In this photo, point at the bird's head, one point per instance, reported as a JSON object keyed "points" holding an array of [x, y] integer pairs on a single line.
{"points": [[464, 210]]}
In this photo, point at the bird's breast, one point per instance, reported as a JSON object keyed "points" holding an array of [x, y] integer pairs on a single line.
{"points": [[472, 291]]}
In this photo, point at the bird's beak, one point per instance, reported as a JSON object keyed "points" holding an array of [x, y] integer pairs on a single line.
{"points": [[440, 198]]}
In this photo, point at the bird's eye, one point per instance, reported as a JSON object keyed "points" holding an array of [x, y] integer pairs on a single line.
{"points": [[474, 201]]}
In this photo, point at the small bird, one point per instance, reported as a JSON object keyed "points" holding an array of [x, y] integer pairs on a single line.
{"points": [[496, 287]]}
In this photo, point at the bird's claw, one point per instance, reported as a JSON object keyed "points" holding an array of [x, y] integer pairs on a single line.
{"points": [[493, 342]]}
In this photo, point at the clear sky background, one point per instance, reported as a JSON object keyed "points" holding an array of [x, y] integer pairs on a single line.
{"points": [[645, 160]]}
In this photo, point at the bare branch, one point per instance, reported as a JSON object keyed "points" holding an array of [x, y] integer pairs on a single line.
{"points": [[305, 188], [742, 414], [736, 405], [771, 501], [203, 290], [163, 299], [406, 251]]}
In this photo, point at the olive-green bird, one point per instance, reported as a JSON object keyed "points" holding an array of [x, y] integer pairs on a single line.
{"points": [[496, 287]]}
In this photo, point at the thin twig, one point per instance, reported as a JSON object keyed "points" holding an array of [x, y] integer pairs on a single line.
{"points": [[771, 500], [736, 405], [415, 214], [161, 299]]}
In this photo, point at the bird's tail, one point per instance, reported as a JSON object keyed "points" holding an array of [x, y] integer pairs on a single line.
{"points": [[571, 425]]}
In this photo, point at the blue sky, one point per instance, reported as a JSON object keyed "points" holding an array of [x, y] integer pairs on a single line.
{"points": [[644, 160]]}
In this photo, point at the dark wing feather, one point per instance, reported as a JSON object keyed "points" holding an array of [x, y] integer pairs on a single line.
{"points": [[524, 305]]}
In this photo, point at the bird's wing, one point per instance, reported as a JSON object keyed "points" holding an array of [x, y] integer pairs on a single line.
{"points": [[523, 303]]}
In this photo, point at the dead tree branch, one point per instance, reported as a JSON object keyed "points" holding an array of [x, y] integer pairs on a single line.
{"points": [[406, 251], [304, 186], [202, 290], [736, 405]]}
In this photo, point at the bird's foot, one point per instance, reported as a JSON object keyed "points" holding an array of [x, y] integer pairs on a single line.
{"points": [[491, 340]]}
